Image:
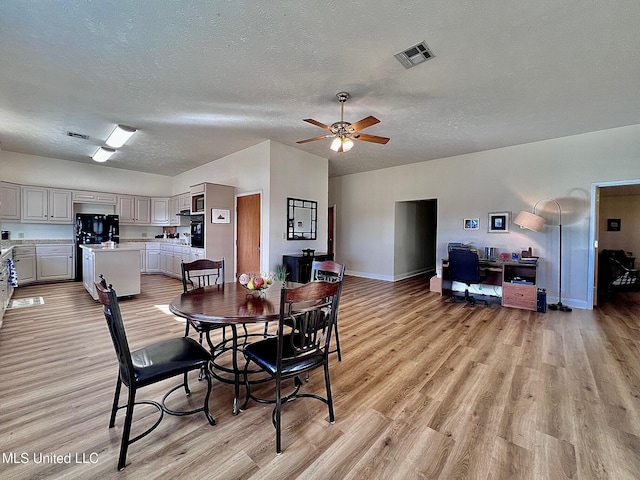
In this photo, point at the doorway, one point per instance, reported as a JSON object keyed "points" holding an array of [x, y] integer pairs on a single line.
{"points": [[415, 233], [248, 213], [599, 217]]}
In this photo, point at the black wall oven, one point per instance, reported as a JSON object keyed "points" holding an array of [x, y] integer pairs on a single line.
{"points": [[197, 231]]}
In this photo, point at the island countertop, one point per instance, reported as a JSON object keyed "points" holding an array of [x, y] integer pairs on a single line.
{"points": [[117, 248]]}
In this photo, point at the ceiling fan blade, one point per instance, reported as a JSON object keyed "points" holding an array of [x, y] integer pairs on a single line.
{"points": [[371, 138], [321, 137], [362, 124], [316, 123]]}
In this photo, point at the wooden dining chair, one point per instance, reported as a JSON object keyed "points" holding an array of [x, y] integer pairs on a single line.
{"points": [[330, 271], [149, 365], [307, 313]]}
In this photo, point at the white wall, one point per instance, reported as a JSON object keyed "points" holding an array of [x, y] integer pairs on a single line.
{"points": [[53, 172], [277, 172], [301, 175], [471, 186]]}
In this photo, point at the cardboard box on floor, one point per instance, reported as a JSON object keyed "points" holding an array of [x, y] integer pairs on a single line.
{"points": [[435, 284]]}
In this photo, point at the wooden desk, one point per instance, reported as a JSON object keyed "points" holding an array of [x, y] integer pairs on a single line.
{"points": [[519, 282]]}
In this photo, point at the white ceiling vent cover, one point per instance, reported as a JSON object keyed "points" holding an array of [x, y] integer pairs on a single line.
{"points": [[415, 55]]}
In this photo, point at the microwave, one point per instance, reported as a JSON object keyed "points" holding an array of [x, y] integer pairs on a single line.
{"points": [[198, 204]]}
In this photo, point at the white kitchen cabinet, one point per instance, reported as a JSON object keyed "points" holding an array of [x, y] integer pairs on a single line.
{"points": [[184, 201], [166, 259], [94, 197], [119, 266], [24, 259], [159, 211], [152, 254], [196, 254], [134, 210], [46, 205], [5, 289], [180, 254], [10, 201], [174, 209], [88, 271], [54, 262]]}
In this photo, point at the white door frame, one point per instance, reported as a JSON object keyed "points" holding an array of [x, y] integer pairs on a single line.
{"points": [[592, 232]]}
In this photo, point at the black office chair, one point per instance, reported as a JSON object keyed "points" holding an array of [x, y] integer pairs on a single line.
{"points": [[464, 267], [307, 313], [148, 365], [330, 271], [197, 274]]}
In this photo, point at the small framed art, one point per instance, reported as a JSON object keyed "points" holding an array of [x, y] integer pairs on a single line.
{"points": [[219, 215], [499, 222], [613, 225], [471, 223]]}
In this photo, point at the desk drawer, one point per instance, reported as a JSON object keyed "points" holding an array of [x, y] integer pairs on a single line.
{"points": [[519, 296]]}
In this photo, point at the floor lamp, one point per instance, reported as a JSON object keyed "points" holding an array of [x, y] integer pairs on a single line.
{"points": [[535, 222]]}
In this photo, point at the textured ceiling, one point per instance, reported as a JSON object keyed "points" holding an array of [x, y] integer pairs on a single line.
{"points": [[203, 79]]}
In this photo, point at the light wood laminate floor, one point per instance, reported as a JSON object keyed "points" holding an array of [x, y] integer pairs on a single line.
{"points": [[426, 389]]}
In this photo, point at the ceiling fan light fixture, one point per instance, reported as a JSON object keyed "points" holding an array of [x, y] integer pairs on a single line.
{"points": [[103, 154], [345, 143], [119, 136]]}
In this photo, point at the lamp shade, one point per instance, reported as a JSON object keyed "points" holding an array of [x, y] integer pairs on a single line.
{"points": [[529, 220], [119, 136]]}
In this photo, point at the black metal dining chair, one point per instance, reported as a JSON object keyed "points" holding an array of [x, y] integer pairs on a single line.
{"points": [[149, 365], [307, 313], [197, 274], [330, 271]]}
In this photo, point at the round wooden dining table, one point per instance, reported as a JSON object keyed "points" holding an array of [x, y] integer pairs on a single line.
{"points": [[230, 305]]}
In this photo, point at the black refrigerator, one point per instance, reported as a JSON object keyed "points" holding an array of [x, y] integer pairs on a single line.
{"points": [[91, 228]]}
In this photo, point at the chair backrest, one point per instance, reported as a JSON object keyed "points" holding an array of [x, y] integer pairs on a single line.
{"points": [[309, 311], [107, 296], [464, 266], [328, 271], [202, 272]]}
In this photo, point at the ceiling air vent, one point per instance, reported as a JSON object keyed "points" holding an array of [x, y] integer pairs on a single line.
{"points": [[77, 135], [415, 55]]}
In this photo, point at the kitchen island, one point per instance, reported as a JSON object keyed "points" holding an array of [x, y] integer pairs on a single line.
{"points": [[119, 265]]}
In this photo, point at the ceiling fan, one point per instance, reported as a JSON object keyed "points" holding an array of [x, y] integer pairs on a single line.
{"points": [[344, 132]]}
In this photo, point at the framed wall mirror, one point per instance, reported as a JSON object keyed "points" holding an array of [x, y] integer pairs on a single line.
{"points": [[302, 219]]}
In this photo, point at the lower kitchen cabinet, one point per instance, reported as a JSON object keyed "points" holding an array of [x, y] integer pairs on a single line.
{"points": [[54, 262], [24, 259], [152, 254]]}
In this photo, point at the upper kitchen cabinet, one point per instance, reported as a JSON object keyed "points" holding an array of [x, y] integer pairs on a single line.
{"points": [[9, 201], [134, 210], [94, 197], [174, 210], [159, 211], [46, 205], [184, 201]]}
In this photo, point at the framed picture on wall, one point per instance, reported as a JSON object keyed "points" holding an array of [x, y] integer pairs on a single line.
{"points": [[219, 215], [613, 225], [471, 223], [499, 222]]}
